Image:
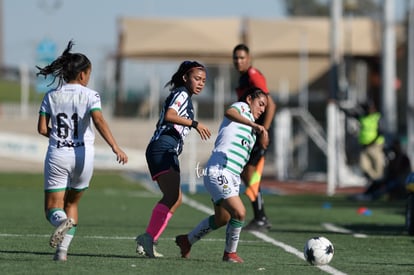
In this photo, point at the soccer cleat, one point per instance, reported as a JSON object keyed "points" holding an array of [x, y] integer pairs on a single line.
{"points": [[232, 257], [147, 243], [141, 252], [184, 244], [258, 225], [60, 255], [60, 232]]}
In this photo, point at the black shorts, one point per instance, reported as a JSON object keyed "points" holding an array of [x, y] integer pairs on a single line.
{"points": [[161, 155]]}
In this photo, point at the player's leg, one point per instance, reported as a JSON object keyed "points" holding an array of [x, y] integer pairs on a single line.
{"points": [[57, 216], [260, 222], [164, 167], [172, 197], [54, 204], [163, 211], [81, 173], [56, 175], [372, 161], [72, 203], [69, 227], [235, 207], [213, 184], [220, 218], [379, 162]]}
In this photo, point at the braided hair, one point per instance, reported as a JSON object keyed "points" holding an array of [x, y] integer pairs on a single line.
{"points": [[66, 67], [184, 68]]}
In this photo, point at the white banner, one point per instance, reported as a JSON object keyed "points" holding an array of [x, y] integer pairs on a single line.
{"points": [[33, 149]]}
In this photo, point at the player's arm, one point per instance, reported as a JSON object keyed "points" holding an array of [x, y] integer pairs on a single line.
{"points": [[269, 112], [43, 125], [172, 116], [234, 115], [267, 121], [103, 129], [258, 80]]}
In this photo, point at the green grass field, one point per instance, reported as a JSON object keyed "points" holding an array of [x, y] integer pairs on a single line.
{"points": [[10, 92], [116, 208]]}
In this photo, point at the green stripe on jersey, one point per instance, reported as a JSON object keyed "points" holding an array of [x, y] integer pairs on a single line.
{"points": [[244, 129], [232, 170], [238, 145], [238, 154], [238, 164], [95, 109]]}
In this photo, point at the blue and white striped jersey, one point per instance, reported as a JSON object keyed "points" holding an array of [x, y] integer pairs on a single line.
{"points": [[179, 100]]}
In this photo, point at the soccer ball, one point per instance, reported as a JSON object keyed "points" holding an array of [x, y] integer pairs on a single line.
{"points": [[318, 251]]}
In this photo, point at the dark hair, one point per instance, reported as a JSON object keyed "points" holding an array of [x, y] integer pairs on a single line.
{"points": [[66, 67], [241, 47], [184, 68], [253, 92]]}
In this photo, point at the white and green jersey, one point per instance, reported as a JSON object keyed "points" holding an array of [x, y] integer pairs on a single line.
{"points": [[234, 142], [70, 110]]}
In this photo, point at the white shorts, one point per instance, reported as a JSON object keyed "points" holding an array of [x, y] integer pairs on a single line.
{"points": [[221, 183], [68, 168]]}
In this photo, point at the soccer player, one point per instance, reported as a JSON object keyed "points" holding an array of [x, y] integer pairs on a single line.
{"points": [[175, 122], [251, 175], [65, 117], [235, 140]]}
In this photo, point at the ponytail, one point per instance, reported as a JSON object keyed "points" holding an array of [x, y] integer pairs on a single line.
{"points": [[66, 67]]}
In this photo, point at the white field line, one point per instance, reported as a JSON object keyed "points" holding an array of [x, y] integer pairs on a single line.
{"points": [[333, 228], [7, 235], [208, 210], [264, 237]]}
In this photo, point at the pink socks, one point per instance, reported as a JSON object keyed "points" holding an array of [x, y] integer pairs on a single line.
{"points": [[159, 219]]}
